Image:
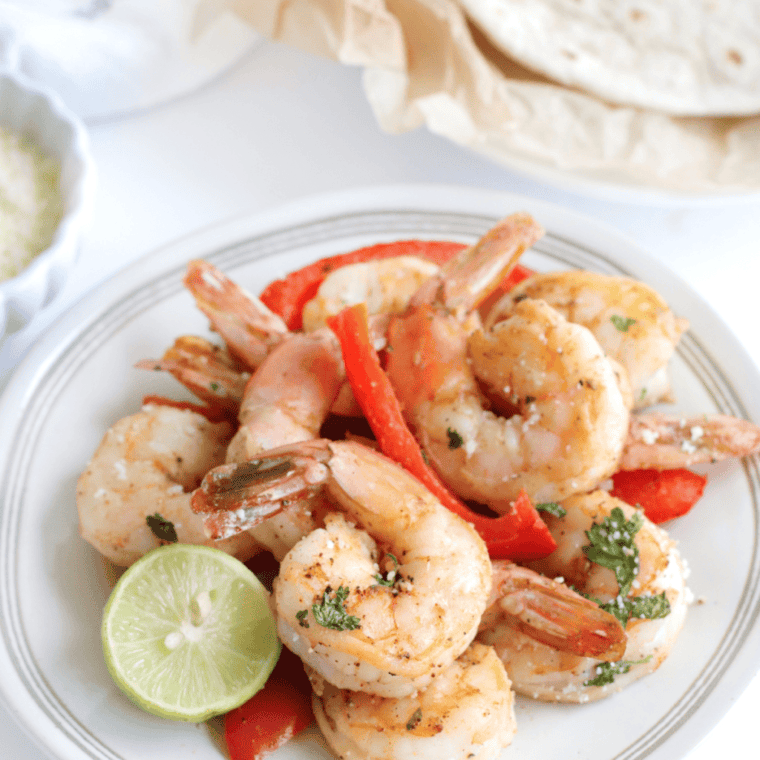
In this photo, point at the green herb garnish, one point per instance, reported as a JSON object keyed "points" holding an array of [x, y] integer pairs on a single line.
{"points": [[330, 612], [552, 507], [648, 607], [162, 528], [414, 721], [606, 671], [612, 546], [301, 618], [622, 323], [392, 576], [455, 440]]}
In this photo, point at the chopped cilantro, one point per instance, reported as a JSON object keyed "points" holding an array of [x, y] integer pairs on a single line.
{"points": [[552, 507], [649, 607], [330, 612], [644, 607], [622, 323], [391, 577], [455, 440], [301, 617], [606, 671], [612, 546], [414, 720], [162, 528]]}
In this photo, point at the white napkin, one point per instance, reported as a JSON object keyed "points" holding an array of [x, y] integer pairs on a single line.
{"points": [[111, 57]]}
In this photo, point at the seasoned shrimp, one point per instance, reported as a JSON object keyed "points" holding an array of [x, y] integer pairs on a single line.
{"points": [[643, 580], [142, 474], [572, 415], [386, 636], [286, 401], [467, 712], [571, 420], [631, 321], [251, 331], [664, 441], [385, 285]]}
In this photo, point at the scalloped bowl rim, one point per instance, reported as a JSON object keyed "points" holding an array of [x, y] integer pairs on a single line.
{"points": [[77, 194]]}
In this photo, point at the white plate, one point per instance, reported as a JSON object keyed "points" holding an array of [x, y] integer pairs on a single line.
{"points": [[79, 380]]}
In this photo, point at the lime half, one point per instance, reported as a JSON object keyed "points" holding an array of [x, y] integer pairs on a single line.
{"points": [[188, 633]]}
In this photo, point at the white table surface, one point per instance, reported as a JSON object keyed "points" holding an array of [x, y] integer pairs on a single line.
{"points": [[281, 125]]}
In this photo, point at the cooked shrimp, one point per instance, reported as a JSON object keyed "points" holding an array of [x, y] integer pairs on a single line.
{"points": [[142, 474], [286, 401], [385, 286], [644, 578], [251, 331], [391, 636], [664, 441], [631, 321], [467, 712], [571, 416], [248, 327]]}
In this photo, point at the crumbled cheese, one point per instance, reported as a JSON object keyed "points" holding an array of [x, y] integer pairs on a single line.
{"points": [[30, 202], [120, 466], [649, 436]]}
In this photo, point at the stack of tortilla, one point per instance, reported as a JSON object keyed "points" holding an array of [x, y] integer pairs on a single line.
{"points": [[655, 95]]}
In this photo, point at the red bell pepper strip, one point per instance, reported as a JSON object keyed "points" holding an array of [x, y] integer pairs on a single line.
{"points": [[273, 715], [288, 296], [662, 494], [518, 535]]}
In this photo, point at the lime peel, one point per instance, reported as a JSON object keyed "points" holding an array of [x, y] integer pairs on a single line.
{"points": [[188, 633]]}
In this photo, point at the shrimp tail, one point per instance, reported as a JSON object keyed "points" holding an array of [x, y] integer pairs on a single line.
{"points": [[553, 614], [664, 441], [248, 327], [470, 277], [206, 370], [235, 497]]}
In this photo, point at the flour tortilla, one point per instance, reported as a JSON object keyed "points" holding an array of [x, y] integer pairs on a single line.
{"points": [[682, 57], [425, 65]]}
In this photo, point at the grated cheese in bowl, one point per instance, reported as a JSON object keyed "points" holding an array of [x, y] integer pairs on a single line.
{"points": [[30, 202], [47, 187]]}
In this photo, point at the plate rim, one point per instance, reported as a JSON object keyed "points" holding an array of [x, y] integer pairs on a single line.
{"points": [[424, 198]]}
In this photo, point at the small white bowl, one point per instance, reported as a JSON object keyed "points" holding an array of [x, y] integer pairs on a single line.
{"points": [[38, 114]]}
